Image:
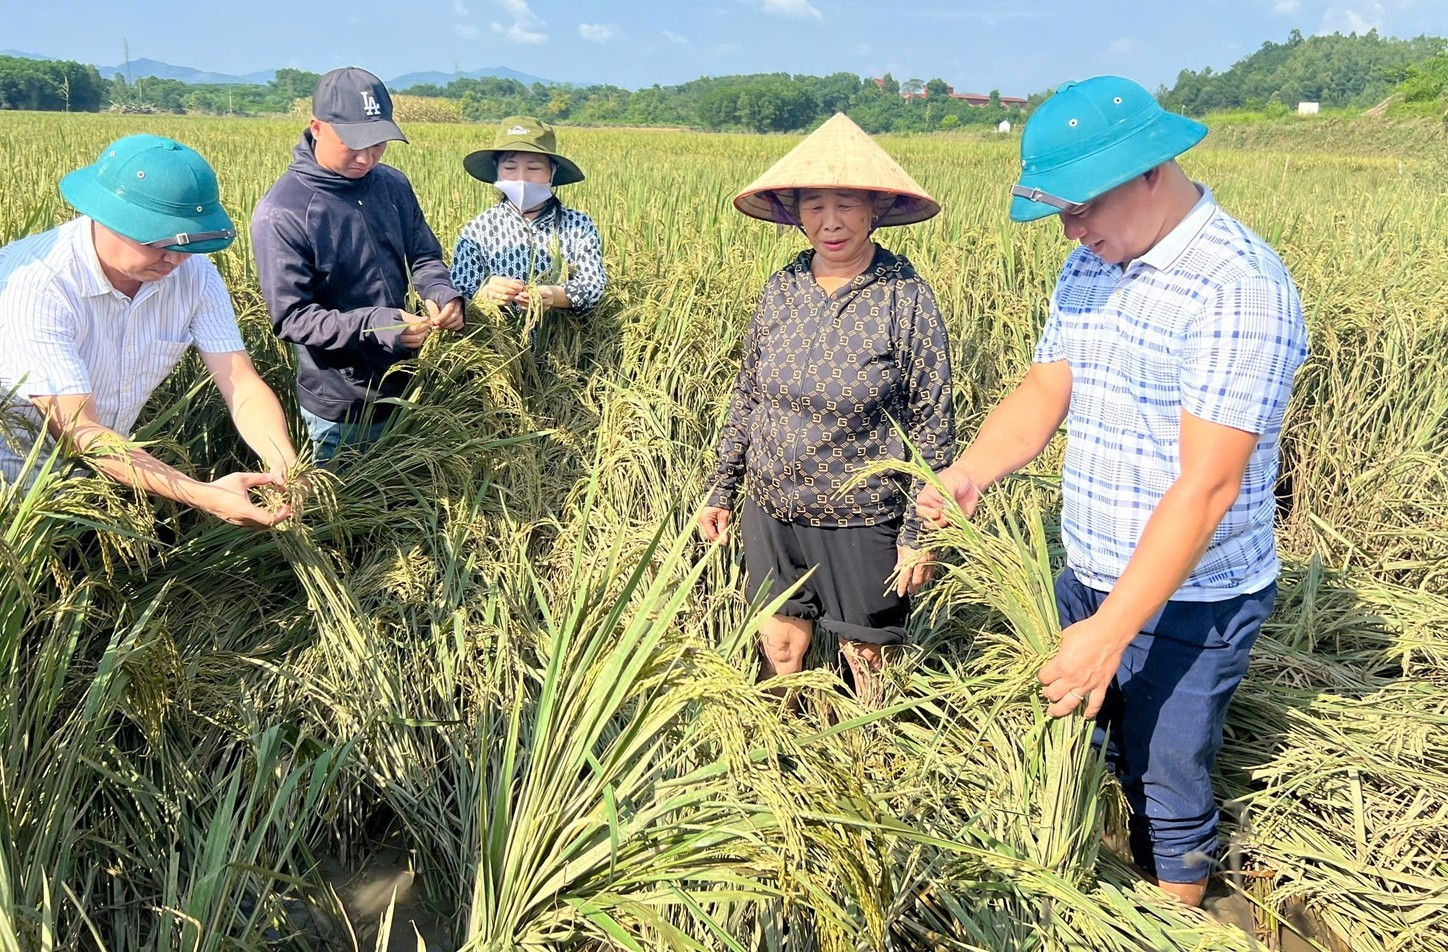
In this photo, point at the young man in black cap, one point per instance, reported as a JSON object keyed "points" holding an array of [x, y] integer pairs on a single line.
{"points": [[336, 239]]}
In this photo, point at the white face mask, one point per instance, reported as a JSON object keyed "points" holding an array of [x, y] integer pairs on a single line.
{"points": [[525, 195]]}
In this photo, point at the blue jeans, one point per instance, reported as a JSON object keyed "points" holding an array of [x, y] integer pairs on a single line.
{"points": [[1162, 719], [329, 436]]}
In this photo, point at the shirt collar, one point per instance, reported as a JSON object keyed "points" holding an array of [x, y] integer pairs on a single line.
{"points": [[1164, 253], [93, 281], [552, 209]]}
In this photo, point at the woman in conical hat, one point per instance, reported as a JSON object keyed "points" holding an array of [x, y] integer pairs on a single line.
{"points": [[846, 350]]}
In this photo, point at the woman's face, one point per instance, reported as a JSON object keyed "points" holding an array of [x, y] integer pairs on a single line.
{"points": [[525, 167], [837, 222]]}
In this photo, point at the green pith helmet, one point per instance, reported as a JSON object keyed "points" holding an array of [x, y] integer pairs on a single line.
{"points": [[155, 191], [1089, 138]]}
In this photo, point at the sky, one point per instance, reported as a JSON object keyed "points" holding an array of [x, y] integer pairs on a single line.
{"points": [[1014, 46]]}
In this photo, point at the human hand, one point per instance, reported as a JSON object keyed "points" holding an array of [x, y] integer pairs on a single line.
{"points": [[500, 290], [930, 504], [231, 501], [448, 318], [914, 568], [546, 295], [1083, 667], [714, 524], [417, 330]]}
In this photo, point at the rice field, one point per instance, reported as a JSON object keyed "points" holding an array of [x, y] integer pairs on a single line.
{"points": [[497, 653]]}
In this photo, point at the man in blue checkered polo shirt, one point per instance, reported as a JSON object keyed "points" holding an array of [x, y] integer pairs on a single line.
{"points": [[1169, 351]]}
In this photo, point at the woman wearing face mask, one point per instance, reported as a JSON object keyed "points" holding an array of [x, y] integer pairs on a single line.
{"points": [[506, 255]]}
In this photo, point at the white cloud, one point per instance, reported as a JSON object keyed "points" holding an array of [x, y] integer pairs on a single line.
{"points": [[792, 8], [727, 49], [1124, 45], [673, 37], [1360, 24], [597, 32], [1393, 17], [526, 26], [1287, 8], [464, 27], [1357, 19]]}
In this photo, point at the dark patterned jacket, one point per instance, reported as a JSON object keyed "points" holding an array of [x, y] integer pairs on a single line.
{"points": [[825, 379], [501, 241]]}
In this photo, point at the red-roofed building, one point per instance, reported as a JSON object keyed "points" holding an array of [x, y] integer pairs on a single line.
{"points": [[970, 99]]}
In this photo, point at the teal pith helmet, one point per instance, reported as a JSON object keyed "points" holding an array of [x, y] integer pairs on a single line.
{"points": [[153, 190], [1089, 138]]}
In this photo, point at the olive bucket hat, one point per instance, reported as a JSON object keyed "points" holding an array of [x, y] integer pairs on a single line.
{"points": [[155, 191], [522, 134], [1089, 138]]}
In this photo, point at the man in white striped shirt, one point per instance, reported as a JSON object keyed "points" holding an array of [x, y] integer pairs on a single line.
{"points": [[95, 313], [1169, 351]]}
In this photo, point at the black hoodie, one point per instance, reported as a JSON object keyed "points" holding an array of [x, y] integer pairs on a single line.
{"points": [[333, 256]]}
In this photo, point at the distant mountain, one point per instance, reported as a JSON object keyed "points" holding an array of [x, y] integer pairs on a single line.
{"points": [[149, 67], [140, 68], [405, 82]]}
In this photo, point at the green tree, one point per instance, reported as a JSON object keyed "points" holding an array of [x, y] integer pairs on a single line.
{"points": [[289, 85], [59, 85], [937, 88], [837, 92], [775, 106], [718, 108], [1335, 70]]}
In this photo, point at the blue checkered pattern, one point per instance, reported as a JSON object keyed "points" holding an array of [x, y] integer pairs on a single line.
{"points": [[1208, 322]]}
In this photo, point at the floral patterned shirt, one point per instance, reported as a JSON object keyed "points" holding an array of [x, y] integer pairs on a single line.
{"points": [[501, 241]]}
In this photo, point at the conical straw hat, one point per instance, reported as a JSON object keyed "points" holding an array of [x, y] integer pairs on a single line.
{"points": [[839, 154]]}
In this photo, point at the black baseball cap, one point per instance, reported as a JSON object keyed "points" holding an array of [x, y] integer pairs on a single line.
{"points": [[357, 106]]}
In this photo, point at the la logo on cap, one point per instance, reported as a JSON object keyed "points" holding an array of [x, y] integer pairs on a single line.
{"points": [[370, 106], [517, 131]]}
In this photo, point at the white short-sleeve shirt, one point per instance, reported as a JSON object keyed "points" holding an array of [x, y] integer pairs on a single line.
{"points": [[67, 331]]}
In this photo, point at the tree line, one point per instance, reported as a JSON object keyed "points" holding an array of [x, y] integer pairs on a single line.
{"points": [[760, 102], [60, 85], [768, 102], [1357, 70], [68, 86]]}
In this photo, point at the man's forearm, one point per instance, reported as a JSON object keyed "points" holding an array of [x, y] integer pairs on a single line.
{"points": [[261, 423], [1014, 434], [132, 466]]}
